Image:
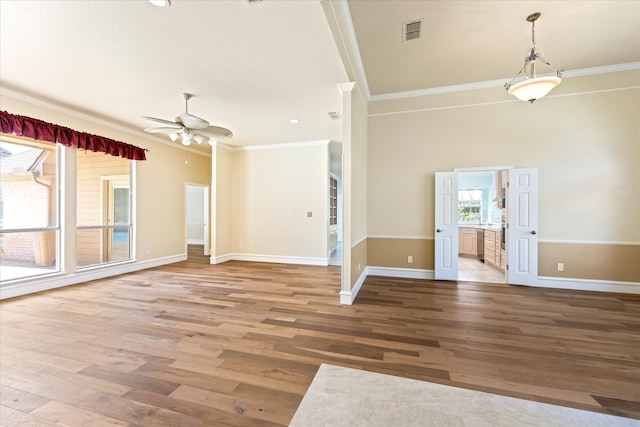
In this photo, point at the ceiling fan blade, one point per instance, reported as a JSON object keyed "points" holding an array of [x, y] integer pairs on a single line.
{"points": [[216, 132], [166, 122], [164, 130], [192, 122]]}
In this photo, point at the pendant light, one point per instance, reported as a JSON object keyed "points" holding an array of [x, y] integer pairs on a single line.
{"points": [[160, 3], [532, 87]]}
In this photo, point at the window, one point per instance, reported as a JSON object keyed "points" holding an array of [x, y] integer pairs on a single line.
{"points": [[103, 209], [469, 206], [29, 223]]}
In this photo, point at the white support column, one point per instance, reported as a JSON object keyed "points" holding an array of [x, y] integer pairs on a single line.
{"points": [[347, 91]]}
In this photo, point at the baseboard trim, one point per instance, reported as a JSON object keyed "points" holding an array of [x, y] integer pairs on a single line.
{"points": [[59, 280], [220, 259], [270, 258], [589, 285], [406, 273], [348, 297]]}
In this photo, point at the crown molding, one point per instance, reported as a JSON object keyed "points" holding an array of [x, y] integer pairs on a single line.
{"points": [[500, 82], [280, 146], [355, 49]]}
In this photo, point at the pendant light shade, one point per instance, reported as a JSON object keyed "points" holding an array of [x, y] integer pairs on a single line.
{"points": [[160, 3], [531, 87]]}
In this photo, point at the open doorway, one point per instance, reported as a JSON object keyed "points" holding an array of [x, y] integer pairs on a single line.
{"points": [[197, 219], [481, 219], [518, 234], [335, 204]]}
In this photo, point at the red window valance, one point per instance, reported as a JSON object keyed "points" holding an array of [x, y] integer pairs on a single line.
{"points": [[39, 130]]}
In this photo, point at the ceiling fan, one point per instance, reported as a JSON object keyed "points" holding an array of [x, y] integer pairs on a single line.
{"points": [[190, 127]]}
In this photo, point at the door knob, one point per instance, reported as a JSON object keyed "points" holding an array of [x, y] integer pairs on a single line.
{"points": [[438, 230], [533, 232]]}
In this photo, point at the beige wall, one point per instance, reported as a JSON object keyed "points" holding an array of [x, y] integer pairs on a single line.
{"points": [[161, 198], [359, 167], [586, 147], [359, 183], [394, 253], [359, 257], [602, 261], [221, 207], [273, 190]]}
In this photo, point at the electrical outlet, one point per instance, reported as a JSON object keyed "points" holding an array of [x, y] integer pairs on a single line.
{"points": [[410, 259], [560, 266]]}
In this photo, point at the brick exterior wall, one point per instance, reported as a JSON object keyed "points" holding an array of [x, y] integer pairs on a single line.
{"points": [[34, 247]]}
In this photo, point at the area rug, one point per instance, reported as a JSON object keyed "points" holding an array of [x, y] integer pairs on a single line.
{"points": [[341, 397]]}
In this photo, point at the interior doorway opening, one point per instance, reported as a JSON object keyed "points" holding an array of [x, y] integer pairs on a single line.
{"points": [[334, 242], [518, 232], [197, 218], [481, 225]]}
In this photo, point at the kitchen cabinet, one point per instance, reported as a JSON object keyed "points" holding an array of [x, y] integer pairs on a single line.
{"points": [[467, 241], [501, 179], [493, 248], [489, 246]]}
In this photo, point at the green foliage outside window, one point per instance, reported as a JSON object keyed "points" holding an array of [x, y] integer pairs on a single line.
{"points": [[469, 206], [468, 213]]}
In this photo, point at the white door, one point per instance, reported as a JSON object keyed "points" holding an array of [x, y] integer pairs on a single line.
{"points": [[446, 226], [522, 227], [117, 212]]}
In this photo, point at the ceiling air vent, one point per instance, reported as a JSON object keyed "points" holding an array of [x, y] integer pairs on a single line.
{"points": [[411, 30]]}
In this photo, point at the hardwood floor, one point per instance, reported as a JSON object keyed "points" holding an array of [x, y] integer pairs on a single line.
{"points": [[238, 343]]}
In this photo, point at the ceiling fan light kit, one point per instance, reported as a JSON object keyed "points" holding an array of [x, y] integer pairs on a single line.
{"points": [[189, 127], [532, 87]]}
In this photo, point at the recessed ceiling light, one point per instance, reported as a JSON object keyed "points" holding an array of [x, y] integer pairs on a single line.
{"points": [[294, 121], [160, 3]]}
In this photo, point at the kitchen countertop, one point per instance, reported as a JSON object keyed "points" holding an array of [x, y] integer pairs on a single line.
{"points": [[483, 226]]}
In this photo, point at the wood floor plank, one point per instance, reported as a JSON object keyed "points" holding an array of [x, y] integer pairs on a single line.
{"points": [[20, 400], [67, 415], [10, 417], [44, 385], [204, 412], [134, 412], [238, 343], [251, 407]]}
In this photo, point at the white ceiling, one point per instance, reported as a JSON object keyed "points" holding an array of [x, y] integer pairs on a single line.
{"points": [[466, 42], [253, 67]]}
